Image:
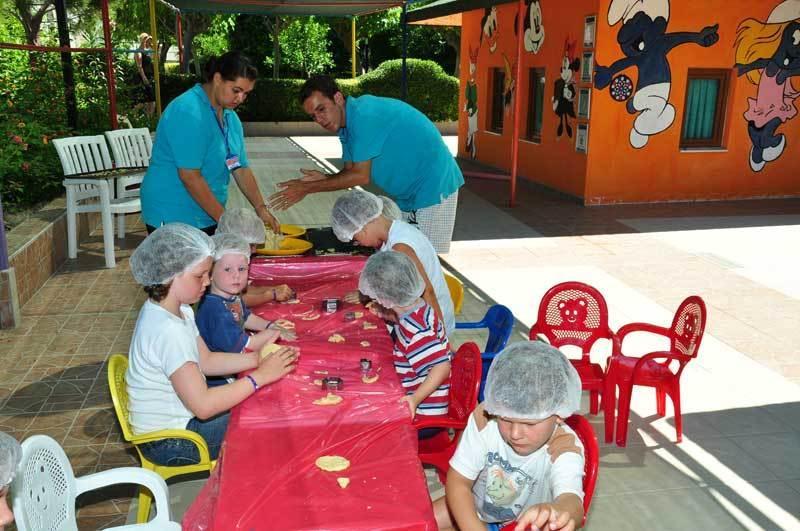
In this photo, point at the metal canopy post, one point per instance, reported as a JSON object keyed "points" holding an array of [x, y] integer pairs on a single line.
{"points": [[353, 43], [404, 83]]}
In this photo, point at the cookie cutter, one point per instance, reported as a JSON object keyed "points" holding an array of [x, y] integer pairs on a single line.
{"points": [[332, 383]]}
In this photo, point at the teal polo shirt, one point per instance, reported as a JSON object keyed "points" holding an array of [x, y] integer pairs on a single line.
{"points": [[189, 137], [410, 160]]}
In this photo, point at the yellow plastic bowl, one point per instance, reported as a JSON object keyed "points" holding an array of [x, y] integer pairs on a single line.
{"points": [[289, 246], [293, 231]]}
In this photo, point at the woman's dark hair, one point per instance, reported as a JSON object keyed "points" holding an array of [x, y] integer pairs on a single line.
{"points": [[157, 292], [231, 66], [318, 83]]}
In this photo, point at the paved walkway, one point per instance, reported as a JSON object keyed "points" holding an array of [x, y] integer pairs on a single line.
{"points": [[738, 465]]}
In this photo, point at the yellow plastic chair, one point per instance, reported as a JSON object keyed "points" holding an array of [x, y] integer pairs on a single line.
{"points": [[117, 365], [456, 291]]}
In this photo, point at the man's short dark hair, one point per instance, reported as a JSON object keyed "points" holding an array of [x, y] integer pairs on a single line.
{"points": [[318, 83]]}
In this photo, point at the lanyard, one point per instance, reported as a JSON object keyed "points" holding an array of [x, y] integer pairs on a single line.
{"points": [[223, 130]]}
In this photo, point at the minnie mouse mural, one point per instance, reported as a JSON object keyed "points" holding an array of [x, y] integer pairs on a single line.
{"points": [[564, 93]]}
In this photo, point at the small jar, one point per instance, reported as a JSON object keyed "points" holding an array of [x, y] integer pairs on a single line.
{"points": [[332, 383], [330, 305], [366, 365]]}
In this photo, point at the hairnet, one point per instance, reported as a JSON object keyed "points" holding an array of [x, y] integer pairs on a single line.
{"points": [[244, 222], [390, 209], [229, 243], [10, 456], [531, 380], [170, 250], [352, 211], [392, 279]]}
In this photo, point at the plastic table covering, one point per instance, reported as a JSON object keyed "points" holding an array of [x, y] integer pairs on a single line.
{"points": [[266, 477]]}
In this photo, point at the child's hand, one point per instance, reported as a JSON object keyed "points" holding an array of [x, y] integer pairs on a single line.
{"points": [[412, 405], [283, 293], [545, 516], [352, 297], [384, 313], [276, 366]]}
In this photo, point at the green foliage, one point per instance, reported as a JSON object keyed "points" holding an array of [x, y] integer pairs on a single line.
{"points": [[216, 39], [430, 89], [304, 45]]}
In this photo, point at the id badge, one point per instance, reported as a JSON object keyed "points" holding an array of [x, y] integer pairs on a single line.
{"points": [[233, 163]]}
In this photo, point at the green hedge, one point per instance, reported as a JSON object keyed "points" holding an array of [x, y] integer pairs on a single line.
{"points": [[430, 90]]}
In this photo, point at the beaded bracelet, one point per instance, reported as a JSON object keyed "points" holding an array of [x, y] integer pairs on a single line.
{"points": [[252, 381]]}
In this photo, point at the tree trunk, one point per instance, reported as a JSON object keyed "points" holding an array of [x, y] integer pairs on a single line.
{"points": [[32, 22], [454, 41], [276, 48]]}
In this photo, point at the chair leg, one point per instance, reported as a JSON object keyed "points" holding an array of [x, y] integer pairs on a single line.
{"points": [[609, 406], [661, 402], [72, 224], [120, 226], [675, 394], [624, 410], [145, 500], [594, 401], [108, 227]]}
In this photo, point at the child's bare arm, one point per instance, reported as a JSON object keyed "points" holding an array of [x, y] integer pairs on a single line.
{"points": [[257, 341], [257, 295], [255, 323], [458, 491], [565, 513], [223, 363]]}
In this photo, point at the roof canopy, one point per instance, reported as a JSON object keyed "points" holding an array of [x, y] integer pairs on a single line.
{"points": [[327, 8], [448, 12]]}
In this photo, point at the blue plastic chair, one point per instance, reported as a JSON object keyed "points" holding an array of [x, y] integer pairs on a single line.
{"points": [[500, 322]]}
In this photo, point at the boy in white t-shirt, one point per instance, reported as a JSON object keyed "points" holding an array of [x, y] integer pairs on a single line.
{"points": [[517, 460], [168, 360], [373, 221]]}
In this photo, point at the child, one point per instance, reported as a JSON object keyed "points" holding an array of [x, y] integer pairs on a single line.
{"points": [[10, 456], [168, 359], [421, 351], [517, 460], [373, 221], [246, 223]]}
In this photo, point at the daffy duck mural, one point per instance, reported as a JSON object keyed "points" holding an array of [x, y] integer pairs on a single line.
{"points": [[768, 53], [644, 41]]}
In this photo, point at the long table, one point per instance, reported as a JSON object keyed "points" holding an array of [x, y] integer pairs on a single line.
{"points": [[266, 477]]}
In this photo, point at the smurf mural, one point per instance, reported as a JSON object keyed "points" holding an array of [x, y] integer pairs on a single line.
{"points": [[644, 41], [768, 53]]}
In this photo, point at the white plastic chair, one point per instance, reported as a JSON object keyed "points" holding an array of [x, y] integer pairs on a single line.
{"points": [[130, 148], [81, 154], [44, 489]]}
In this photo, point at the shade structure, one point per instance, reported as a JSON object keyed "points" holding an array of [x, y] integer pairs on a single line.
{"points": [[327, 8]]}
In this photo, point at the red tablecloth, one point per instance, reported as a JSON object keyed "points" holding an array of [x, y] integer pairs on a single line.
{"points": [[266, 477]]}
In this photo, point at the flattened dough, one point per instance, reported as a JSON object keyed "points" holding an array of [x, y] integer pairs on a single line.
{"points": [[336, 338], [328, 400], [268, 349], [369, 326], [365, 343], [311, 316], [343, 482], [285, 323], [358, 315], [370, 379], [332, 463], [293, 301], [318, 382]]}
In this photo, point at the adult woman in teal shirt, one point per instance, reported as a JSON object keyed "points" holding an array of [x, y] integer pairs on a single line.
{"points": [[199, 144]]}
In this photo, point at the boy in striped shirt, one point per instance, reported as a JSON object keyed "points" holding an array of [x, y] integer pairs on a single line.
{"points": [[421, 350]]}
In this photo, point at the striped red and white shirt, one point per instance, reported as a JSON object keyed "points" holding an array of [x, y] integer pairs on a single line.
{"points": [[420, 344]]}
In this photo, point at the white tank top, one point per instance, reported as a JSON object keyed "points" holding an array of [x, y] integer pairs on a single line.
{"points": [[402, 232]]}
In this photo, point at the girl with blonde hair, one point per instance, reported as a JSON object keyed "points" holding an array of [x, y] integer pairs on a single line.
{"points": [[144, 71]]}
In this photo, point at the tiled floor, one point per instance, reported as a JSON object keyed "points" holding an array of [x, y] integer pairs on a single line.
{"points": [[737, 467]]}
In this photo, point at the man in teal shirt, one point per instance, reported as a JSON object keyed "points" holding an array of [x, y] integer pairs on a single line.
{"points": [[390, 143], [199, 145]]}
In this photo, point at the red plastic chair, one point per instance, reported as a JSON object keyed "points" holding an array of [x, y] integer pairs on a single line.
{"points": [[465, 378], [653, 369], [574, 313], [591, 457]]}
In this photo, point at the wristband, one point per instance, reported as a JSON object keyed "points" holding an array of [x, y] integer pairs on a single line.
{"points": [[252, 381]]}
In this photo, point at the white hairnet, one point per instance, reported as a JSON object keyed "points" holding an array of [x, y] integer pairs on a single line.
{"points": [[390, 209], [531, 380], [392, 279], [10, 456], [352, 211], [229, 243], [170, 250], [244, 222]]}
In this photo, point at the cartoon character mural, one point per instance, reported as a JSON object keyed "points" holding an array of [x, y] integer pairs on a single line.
{"points": [[489, 27], [768, 53], [509, 84], [644, 41], [564, 93], [533, 38], [471, 103]]}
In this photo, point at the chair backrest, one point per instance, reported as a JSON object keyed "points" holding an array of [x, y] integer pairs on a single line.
{"points": [[130, 147], [81, 154], [465, 378], [688, 326], [591, 458], [117, 365], [500, 322], [44, 491], [456, 289], [572, 313]]}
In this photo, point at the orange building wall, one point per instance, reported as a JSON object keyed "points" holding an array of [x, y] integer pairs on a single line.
{"points": [[613, 171], [554, 163]]}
